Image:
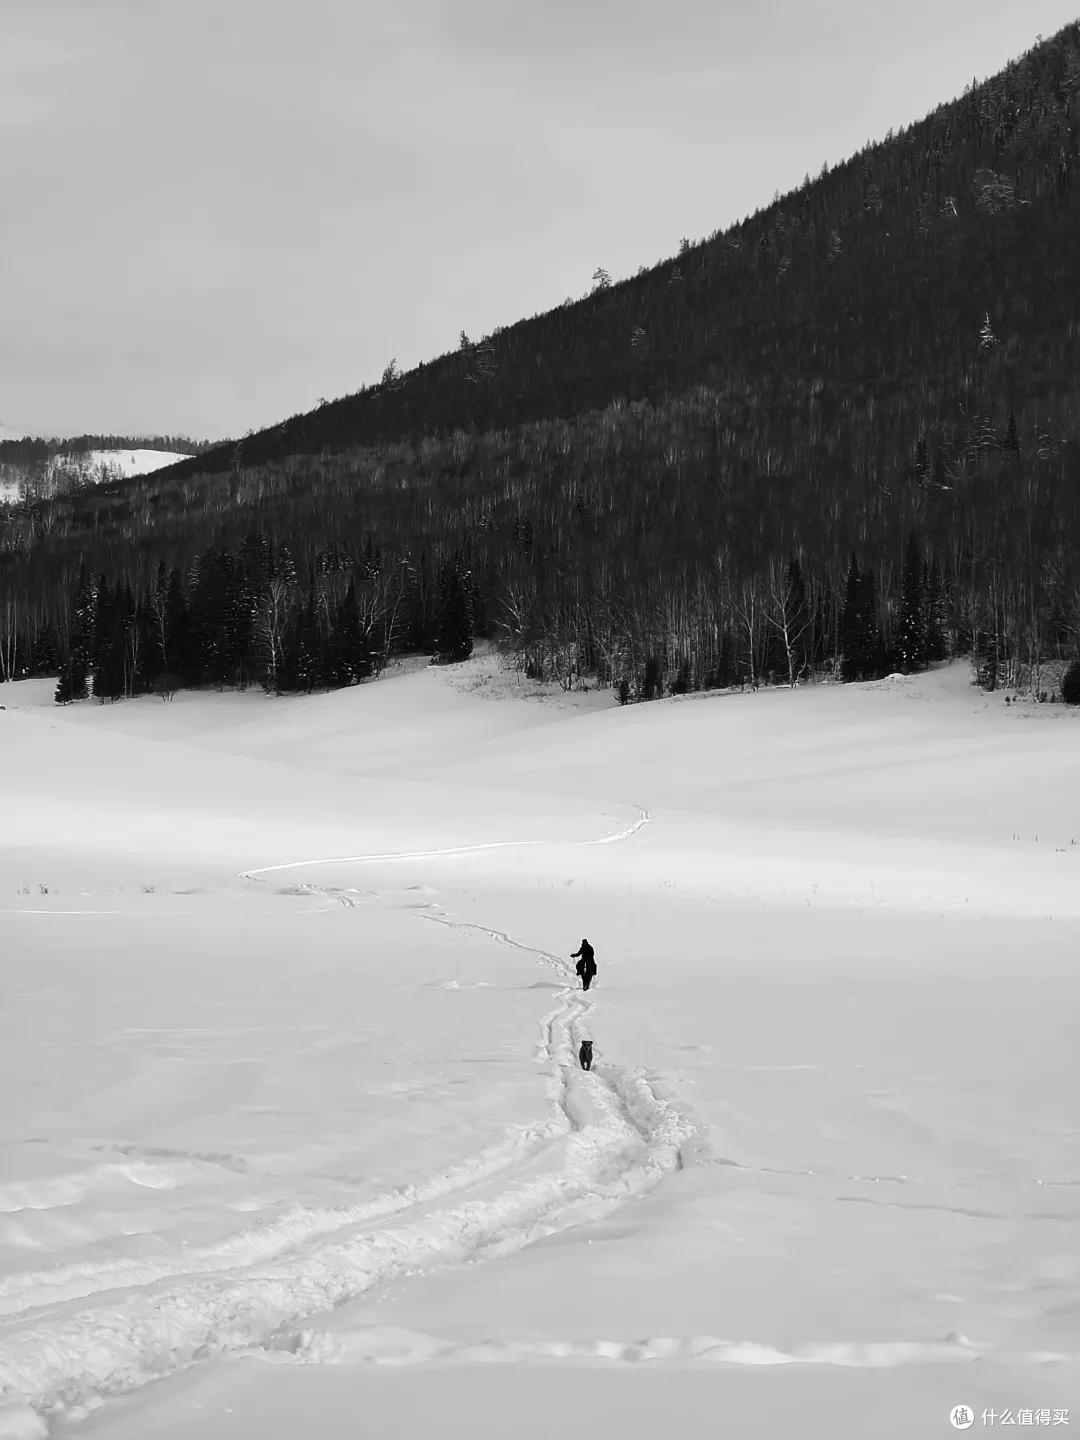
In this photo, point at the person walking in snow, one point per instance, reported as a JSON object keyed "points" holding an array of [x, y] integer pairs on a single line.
{"points": [[586, 966]]}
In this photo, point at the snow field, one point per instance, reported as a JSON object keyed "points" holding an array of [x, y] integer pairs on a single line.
{"points": [[259, 1121], [619, 1139]]}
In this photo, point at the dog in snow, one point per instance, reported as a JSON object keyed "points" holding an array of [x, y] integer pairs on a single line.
{"points": [[584, 1055]]}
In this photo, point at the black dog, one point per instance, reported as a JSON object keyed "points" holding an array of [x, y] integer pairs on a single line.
{"points": [[585, 1054]]}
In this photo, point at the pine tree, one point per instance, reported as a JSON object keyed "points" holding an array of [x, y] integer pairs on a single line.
{"points": [[256, 562], [873, 654], [309, 665], [352, 655], [222, 639], [44, 652], [63, 695], [253, 588], [652, 682], [922, 463], [911, 631], [155, 620], [177, 661], [936, 614], [860, 641], [454, 621], [100, 642], [987, 658], [150, 657], [73, 682], [288, 669], [850, 625], [107, 660], [198, 639], [126, 659]]}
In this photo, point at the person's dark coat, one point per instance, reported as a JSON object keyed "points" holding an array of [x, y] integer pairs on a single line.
{"points": [[587, 954], [586, 966]]}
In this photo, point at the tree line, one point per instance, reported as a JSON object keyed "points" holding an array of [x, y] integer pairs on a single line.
{"points": [[626, 542], [243, 618], [250, 616]]}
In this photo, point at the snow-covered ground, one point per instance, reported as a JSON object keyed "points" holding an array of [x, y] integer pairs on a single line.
{"points": [[92, 467], [293, 1139], [98, 465]]}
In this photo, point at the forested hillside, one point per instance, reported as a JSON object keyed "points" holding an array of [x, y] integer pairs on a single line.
{"points": [[842, 435]]}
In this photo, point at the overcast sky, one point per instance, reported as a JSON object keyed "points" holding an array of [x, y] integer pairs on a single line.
{"points": [[215, 212]]}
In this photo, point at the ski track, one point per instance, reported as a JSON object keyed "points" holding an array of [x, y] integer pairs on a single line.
{"points": [[337, 898], [387, 1346], [370, 859], [75, 1334]]}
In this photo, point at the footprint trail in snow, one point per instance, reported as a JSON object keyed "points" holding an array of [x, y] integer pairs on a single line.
{"points": [[74, 1334]]}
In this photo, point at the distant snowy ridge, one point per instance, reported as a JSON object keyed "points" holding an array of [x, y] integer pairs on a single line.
{"points": [[68, 471], [115, 464]]}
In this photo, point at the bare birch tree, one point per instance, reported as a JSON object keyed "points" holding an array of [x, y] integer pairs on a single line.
{"points": [[785, 609]]}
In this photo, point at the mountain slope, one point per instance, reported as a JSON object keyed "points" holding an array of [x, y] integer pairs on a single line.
{"points": [[876, 278], [842, 433]]}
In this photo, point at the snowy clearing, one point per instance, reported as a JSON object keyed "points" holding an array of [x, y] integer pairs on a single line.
{"points": [[117, 464], [89, 467], [291, 1108]]}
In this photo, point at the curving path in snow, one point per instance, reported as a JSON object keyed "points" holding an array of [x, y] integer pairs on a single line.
{"points": [[77, 1333], [371, 859]]}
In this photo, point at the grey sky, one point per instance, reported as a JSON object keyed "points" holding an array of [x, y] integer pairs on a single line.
{"points": [[214, 212]]}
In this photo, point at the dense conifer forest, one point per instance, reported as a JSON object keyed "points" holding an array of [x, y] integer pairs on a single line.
{"points": [[839, 438]]}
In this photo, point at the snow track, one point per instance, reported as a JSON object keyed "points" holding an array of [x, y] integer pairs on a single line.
{"points": [[386, 1346], [74, 1334], [392, 855]]}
